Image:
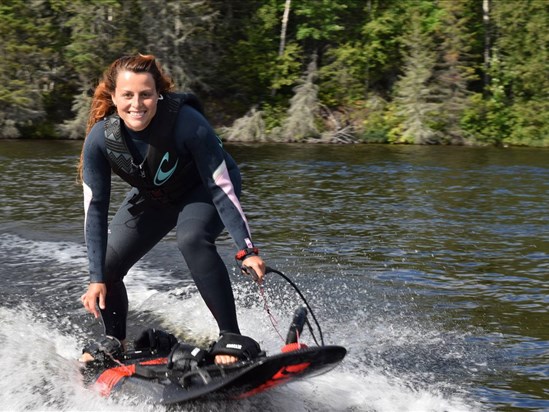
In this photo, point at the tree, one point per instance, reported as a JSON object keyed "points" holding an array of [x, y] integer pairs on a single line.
{"points": [[249, 128], [522, 47], [469, 71], [300, 124], [255, 68], [360, 70], [180, 34], [284, 27], [414, 104], [100, 32], [487, 41], [452, 72], [30, 52]]}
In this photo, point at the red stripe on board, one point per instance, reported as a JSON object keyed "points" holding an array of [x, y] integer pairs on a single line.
{"points": [[283, 374], [109, 378]]}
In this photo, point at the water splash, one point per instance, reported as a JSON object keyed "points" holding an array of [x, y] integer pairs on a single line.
{"points": [[395, 361], [40, 370]]}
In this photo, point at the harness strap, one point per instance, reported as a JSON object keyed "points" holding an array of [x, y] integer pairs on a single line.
{"points": [[162, 154]]}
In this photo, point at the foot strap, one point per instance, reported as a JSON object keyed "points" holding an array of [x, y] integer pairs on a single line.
{"points": [[185, 357], [233, 344], [155, 342], [108, 349], [185, 360]]}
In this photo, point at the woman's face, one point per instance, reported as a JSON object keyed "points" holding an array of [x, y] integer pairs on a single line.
{"points": [[135, 98]]}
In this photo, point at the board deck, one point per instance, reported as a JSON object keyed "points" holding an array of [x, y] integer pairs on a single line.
{"points": [[232, 382]]}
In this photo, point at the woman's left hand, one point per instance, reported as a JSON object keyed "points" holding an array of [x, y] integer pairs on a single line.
{"points": [[257, 265]]}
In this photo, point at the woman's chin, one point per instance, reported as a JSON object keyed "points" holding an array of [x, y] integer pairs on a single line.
{"points": [[136, 125]]}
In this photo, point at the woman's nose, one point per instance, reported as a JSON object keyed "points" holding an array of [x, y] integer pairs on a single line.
{"points": [[136, 101]]}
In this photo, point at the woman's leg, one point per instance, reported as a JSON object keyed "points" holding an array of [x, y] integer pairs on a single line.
{"points": [[198, 226], [133, 231]]}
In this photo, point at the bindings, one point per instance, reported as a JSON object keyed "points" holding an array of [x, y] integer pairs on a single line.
{"points": [[107, 351], [242, 347]]}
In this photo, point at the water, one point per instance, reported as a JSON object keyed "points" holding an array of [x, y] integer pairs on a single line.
{"points": [[430, 264]]}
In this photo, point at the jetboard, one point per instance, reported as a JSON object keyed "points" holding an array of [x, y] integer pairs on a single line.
{"points": [[154, 376], [151, 381]]}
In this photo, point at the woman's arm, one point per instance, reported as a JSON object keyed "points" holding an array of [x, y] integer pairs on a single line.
{"points": [[97, 191]]}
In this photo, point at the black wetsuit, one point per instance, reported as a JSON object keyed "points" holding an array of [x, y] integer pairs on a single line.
{"points": [[199, 216]]}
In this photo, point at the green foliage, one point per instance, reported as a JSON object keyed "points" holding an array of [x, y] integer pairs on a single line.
{"points": [[29, 50], [300, 124], [521, 53], [100, 31], [319, 19], [489, 119], [251, 60], [374, 126], [342, 78], [453, 72], [398, 71], [273, 115], [531, 124], [249, 128], [414, 103], [76, 128], [382, 42], [180, 34], [287, 67]]}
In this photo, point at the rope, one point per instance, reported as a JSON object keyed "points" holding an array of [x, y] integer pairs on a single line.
{"points": [[271, 270], [268, 310], [250, 271]]}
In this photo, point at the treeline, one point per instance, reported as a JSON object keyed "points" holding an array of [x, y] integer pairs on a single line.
{"points": [[397, 71]]}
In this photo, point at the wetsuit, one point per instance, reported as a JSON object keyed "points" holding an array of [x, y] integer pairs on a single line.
{"points": [[199, 214]]}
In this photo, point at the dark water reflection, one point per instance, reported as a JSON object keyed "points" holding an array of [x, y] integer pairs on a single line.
{"points": [[452, 243]]}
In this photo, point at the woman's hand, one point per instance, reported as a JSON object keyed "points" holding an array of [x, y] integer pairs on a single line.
{"points": [[96, 292], [257, 265]]}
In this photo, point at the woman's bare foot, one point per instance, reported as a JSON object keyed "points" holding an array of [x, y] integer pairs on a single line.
{"points": [[225, 359], [85, 358], [88, 357]]}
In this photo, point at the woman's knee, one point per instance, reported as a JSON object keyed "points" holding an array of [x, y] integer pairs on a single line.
{"points": [[193, 238], [115, 269]]}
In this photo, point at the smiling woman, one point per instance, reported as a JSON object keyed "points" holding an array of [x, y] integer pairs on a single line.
{"points": [[135, 98], [160, 143]]}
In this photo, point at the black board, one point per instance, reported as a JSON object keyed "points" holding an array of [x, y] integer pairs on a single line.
{"points": [[237, 381]]}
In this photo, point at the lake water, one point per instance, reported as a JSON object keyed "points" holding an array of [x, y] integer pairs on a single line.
{"points": [[430, 264]]}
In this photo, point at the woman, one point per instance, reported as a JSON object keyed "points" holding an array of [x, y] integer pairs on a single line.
{"points": [[181, 177]]}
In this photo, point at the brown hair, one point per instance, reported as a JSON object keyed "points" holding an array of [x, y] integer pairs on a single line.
{"points": [[102, 104]]}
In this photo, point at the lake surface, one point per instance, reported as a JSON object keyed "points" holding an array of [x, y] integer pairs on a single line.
{"points": [[430, 264]]}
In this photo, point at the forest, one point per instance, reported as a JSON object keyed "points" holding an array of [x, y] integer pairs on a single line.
{"points": [[449, 72]]}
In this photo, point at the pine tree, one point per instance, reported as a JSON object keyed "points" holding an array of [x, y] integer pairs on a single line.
{"points": [[452, 72], [414, 103], [29, 49], [249, 128], [300, 125], [76, 128], [100, 32], [522, 48], [180, 34]]}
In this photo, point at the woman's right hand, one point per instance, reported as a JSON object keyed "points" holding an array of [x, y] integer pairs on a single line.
{"points": [[96, 292], [257, 265]]}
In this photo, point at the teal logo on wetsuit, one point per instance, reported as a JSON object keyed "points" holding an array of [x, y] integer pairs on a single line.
{"points": [[162, 176]]}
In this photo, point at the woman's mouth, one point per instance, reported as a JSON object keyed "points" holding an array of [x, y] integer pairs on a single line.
{"points": [[137, 115]]}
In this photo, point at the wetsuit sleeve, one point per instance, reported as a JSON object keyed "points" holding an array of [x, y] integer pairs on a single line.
{"points": [[97, 191], [195, 136]]}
